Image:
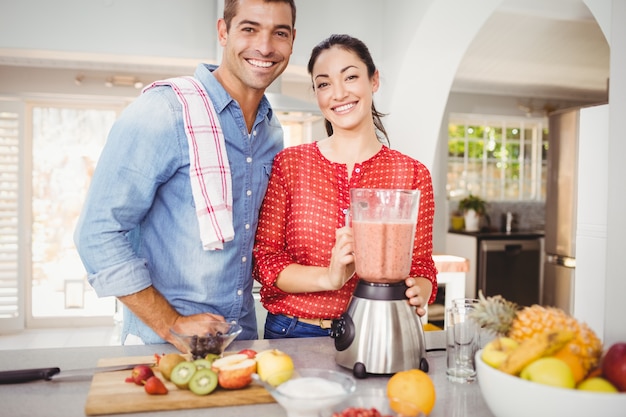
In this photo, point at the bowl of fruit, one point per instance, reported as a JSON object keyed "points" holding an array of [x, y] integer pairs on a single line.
{"points": [[545, 362], [214, 339]]}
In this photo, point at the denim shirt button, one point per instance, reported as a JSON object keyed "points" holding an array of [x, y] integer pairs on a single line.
{"points": [[244, 259], [248, 160], [239, 292], [247, 226], [249, 192]]}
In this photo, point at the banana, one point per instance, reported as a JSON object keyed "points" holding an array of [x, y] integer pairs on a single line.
{"points": [[541, 344]]}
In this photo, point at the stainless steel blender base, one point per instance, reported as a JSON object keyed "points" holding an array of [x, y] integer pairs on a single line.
{"points": [[379, 337]]}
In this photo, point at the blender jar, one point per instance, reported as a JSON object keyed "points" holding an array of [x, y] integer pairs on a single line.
{"points": [[383, 223]]}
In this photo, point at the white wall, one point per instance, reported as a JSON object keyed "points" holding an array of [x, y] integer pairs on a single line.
{"points": [[591, 232], [615, 307], [116, 27]]}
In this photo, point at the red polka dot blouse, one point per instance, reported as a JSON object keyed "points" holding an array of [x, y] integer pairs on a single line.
{"points": [[306, 201]]}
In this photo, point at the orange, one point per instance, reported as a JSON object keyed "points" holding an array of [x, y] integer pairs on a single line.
{"points": [[410, 392], [573, 361], [597, 371]]}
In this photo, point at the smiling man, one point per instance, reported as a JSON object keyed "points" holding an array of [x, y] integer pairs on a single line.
{"points": [[168, 225]]}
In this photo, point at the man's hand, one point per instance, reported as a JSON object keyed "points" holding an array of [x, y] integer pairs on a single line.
{"points": [[157, 313], [194, 324]]}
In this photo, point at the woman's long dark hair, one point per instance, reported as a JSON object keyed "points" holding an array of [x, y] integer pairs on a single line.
{"points": [[356, 46]]}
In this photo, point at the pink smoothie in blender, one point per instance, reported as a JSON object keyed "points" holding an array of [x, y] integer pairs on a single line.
{"points": [[383, 223]]}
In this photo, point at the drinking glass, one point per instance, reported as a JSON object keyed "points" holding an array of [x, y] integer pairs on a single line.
{"points": [[462, 343]]}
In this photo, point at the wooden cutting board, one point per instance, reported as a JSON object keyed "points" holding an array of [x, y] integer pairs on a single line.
{"points": [[109, 394]]}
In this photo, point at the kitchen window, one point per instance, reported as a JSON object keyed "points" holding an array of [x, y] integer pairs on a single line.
{"points": [[47, 154], [497, 158]]}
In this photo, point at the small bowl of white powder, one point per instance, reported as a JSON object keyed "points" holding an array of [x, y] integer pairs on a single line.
{"points": [[311, 391]]}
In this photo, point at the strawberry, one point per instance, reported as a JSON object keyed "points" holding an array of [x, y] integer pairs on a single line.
{"points": [[154, 386]]}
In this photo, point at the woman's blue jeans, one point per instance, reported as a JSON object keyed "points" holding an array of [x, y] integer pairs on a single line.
{"points": [[278, 326]]}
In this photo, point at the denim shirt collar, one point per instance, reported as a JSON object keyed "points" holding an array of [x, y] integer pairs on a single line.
{"points": [[220, 97]]}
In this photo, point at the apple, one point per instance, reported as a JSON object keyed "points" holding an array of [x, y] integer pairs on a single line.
{"points": [[614, 365], [274, 366], [596, 384], [549, 371], [140, 374], [228, 360], [234, 371], [496, 351]]}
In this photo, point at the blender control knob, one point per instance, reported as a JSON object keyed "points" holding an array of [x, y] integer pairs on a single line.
{"points": [[342, 330]]}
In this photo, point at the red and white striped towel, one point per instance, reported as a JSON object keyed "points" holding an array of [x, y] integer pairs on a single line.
{"points": [[209, 171]]}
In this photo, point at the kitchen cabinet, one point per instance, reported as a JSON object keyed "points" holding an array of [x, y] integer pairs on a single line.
{"points": [[509, 264]]}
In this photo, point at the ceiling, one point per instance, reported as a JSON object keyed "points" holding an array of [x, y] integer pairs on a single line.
{"points": [[527, 48], [538, 48]]}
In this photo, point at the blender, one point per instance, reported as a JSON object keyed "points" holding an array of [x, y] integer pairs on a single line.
{"points": [[380, 333]]}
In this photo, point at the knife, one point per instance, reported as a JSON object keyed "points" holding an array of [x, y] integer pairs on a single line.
{"points": [[27, 375]]}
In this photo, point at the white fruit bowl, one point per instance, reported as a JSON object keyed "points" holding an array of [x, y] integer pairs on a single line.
{"points": [[510, 396]]}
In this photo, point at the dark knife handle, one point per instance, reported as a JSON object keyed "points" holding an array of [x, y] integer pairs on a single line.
{"points": [[27, 375]]}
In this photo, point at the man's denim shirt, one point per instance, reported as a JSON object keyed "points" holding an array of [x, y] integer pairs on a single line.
{"points": [[139, 227]]}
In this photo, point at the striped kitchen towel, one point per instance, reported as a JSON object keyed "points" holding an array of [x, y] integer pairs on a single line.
{"points": [[209, 171]]}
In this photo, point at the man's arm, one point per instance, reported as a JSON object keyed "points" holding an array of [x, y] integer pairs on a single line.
{"points": [[157, 313]]}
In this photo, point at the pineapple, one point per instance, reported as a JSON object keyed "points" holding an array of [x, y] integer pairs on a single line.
{"points": [[508, 319]]}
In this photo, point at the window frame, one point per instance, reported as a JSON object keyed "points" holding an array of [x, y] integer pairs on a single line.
{"points": [[532, 170], [23, 107]]}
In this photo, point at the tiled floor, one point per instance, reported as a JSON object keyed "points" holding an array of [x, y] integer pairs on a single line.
{"points": [[50, 338]]}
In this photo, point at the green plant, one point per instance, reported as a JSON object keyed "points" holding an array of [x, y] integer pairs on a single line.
{"points": [[475, 203]]}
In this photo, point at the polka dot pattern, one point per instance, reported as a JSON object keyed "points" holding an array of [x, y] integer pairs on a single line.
{"points": [[306, 201]]}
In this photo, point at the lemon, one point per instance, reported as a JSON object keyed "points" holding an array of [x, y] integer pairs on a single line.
{"points": [[597, 384]]}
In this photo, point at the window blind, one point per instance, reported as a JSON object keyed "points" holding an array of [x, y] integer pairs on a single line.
{"points": [[9, 215]]}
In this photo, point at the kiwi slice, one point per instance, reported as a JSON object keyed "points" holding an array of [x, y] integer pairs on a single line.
{"points": [[212, 356], [203, 382], [202, 363], [182, 373]]}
